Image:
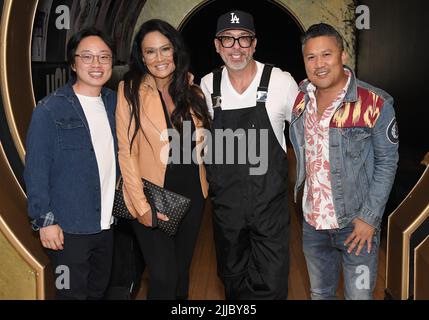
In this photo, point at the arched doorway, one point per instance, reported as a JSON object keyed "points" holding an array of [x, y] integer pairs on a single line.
{"points": [[277, 31]]}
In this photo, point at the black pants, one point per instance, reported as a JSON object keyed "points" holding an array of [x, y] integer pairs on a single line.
{"points": [[169, 258], [252, 251], [82, 268]]}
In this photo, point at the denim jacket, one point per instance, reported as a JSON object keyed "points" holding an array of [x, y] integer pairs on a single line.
{"points": [[61, 171], [363, 151]]}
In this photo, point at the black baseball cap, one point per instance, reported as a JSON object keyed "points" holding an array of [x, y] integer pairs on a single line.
{"points": [[235, 19]]}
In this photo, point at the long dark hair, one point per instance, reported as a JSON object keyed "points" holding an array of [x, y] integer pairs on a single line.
{"points": [[183, 94]]}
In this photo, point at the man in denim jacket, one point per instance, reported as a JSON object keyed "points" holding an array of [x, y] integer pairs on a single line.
{"points": [[71, 169], [345, 137]]}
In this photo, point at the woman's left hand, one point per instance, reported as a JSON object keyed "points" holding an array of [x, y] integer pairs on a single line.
{"points": [[191, 79]]}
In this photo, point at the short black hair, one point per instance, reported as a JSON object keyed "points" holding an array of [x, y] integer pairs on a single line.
{"points": [[78, 37], [322, 29]]}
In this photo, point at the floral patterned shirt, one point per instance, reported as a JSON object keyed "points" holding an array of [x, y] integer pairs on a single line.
{"points": [[318, 206]]}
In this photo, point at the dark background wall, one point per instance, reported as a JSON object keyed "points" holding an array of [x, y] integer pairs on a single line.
{"points": [[392, 55], [277, 33]]}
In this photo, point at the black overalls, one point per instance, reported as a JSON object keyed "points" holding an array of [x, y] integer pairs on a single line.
{"points": [[251, 217]]}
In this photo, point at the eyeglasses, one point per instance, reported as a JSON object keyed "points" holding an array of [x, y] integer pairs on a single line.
{"points": [[88, 58], [229, 41], [151, 53]]}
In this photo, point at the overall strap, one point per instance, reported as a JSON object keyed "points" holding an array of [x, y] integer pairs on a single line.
{"points": [[261, 94], [216, 95]]}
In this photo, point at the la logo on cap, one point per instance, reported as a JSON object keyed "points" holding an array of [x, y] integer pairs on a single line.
{"points": [[234, 18]]}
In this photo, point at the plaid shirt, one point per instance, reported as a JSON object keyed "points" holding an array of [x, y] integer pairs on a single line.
{"points": [[43, 221]]}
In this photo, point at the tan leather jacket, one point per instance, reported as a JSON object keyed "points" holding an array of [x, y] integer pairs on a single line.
{"points": [[150, 150]]}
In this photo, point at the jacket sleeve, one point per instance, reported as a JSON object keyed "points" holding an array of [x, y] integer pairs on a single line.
{"points": [[40, 141], [385, 141], [129, 160]]}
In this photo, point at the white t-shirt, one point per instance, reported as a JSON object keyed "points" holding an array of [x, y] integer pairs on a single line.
{"points": [[102, 141], [282, 91]]}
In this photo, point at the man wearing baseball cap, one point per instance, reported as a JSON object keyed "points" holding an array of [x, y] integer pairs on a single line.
{"points": [[251, 219]]}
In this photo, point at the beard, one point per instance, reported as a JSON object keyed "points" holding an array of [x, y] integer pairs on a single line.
{"points": [[236, 65]]}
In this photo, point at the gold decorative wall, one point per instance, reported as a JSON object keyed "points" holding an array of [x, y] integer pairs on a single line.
{"points": [[22, 260], [402, 225], [16, 276], [421, 267]]}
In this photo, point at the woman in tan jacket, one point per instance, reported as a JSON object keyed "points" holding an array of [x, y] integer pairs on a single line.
{"points": [[155, 96]]}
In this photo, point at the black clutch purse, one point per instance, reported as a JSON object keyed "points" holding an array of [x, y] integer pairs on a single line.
{"points": [[120, 210], [173, 205]]}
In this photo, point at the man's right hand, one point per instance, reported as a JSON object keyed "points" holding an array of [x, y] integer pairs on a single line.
{"points": [[146, 219], [52, 237]]}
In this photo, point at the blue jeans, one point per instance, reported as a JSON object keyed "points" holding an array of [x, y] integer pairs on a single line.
{"points": [[324, 251]]}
